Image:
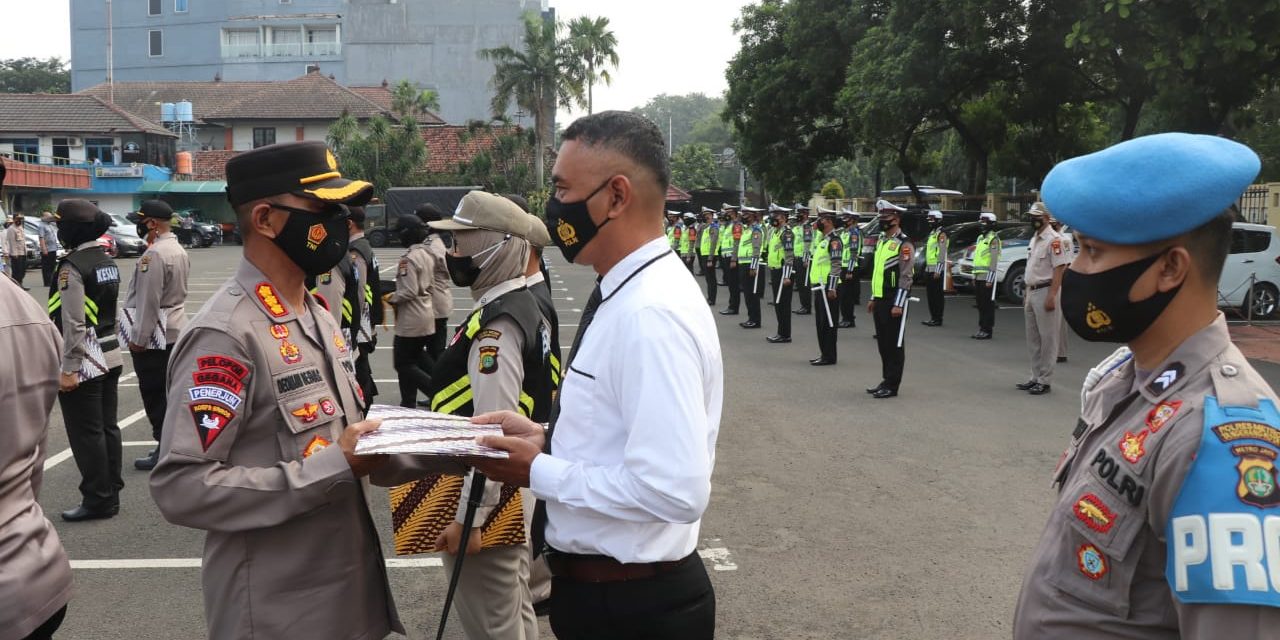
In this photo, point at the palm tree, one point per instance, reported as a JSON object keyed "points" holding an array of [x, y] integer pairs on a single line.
{"points": [[408, 100], [546, 72], [597, 47]]}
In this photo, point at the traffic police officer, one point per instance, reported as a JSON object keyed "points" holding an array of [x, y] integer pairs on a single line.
{"points": [[935, 268], [256, 448], [850, 293], [986, 257], [709, 243], [891, 277], [82, 304], [1047, 259], [415, 319], [750, 271], [156, 300], [826, 271], [731, 237], [782, 264], [368, 290], [805, 236], [1164, 525], [689, 241]]}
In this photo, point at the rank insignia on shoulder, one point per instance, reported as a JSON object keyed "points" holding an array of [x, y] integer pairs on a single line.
{"points": [[270, 301], [340, 342], [1095, 514], [316, 445], [1162, 414], [1132, 445], [488, 360], [1166, 379], [1091, 562]]}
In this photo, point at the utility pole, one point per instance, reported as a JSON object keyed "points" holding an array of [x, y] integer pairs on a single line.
{"points": [[671, 138], [111, 76]]}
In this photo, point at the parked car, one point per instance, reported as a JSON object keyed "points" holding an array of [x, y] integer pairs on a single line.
{"points": [[915, 224], [108, 244], [31, 232], [1250, 278], [125, 234], [959, 237], [205, 233]]}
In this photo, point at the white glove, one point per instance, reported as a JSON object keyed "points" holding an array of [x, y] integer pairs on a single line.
{"points": [[1096, 374]]}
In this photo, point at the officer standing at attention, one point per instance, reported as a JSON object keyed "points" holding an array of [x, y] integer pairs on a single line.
{"points": [[49, 247], [805, 236], [259, 451], [891, 277], [782, 265], [825, 273], [15, 246], [415, 319], [689, 241], [709, 241], [750, 267], [673, 229], [731, 250], [364, 266], [935, 268], [986, 256], [82, 304], [157, 297], [1047, 259], [850, 292], [441, 286], [1164, 523]]}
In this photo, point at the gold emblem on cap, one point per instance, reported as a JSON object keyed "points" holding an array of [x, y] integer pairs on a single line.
{"points": [[1097, 318], [333, 162], [568, 235]]}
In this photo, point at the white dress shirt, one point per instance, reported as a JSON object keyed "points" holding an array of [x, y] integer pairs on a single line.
{"points": [[629, 475]]}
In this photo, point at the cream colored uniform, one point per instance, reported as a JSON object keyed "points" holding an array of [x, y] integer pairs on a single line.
{"points": [[412, 299], [1044, 328], [159, 288]]}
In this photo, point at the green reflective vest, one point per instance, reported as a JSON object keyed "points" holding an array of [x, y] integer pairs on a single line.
{"points": [[686, 240], [846, 240], [746, 244], [705, 240], [931, 257], [671, 236], [982, 252], [775, 247], [886, 267]]}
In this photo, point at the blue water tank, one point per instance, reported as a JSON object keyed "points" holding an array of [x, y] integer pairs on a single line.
{"points": [[184, 112], [168, 112]]}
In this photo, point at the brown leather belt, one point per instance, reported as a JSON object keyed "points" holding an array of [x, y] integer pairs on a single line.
{"points": [[1037, 287], [589, 568]]}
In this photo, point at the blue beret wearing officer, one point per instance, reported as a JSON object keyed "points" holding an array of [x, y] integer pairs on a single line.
{"points": [[1167, 519]]}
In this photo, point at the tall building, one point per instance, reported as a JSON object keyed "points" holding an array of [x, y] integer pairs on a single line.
{"points": [[435, 43]]}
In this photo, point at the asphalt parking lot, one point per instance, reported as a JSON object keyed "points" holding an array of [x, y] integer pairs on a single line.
{"points": [[833, 515]]}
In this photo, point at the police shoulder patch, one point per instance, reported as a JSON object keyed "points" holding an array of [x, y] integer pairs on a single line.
{"points": [[488, 360], [489, 334]]}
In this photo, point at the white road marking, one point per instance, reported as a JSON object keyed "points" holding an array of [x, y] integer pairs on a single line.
{"points": [[139, 443], [128, 376], [716, 553], [61, 456], [194, 563]]}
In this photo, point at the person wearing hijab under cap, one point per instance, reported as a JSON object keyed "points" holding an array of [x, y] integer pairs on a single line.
{"points": [[1164, 525], [415, 321], [157, 298], [82, 304], [499, 359], [437, 244], [258, 446]]}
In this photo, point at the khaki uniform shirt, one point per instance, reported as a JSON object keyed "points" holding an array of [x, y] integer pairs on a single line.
{"points": [[1047, 252], [1099, 568], [332, 286], [412, 298], [36, 580], [71, 287], [258, 397], [159, 289], [441, 285], [15, 241]]}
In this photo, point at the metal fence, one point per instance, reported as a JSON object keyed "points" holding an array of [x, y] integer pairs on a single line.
{"points": [[1253, 204]]}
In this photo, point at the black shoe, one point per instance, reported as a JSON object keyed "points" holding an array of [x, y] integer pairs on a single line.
{"points": [[876, 389], [820, 362], [981, 335], [1026, 386], [1062, 359], [802, 312], [80, 514], [884, 393], [711, 302], [750, 324], [728, 312], [773, 304], [932, 323], [845, 325], [1039, 390], [542, 608], [147, 462], [778, 339]]}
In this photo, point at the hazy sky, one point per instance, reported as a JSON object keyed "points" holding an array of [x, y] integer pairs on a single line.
{"points": [[666, 46]]}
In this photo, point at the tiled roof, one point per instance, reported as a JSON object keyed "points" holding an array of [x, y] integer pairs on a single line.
{"points": [[144, 98], [676, 194], [68, 113], [450, 145], [383, 97]]}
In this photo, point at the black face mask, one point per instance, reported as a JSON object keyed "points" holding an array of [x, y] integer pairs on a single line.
{"points": [[463, 270], [570, 223], [142, 230], [314, 241], [1098, 308]]}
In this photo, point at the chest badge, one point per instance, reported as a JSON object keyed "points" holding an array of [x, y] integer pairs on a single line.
{"points": [[316, 445], [290, 352], [1132, 446], [328, 407], [1095, 514], [279, 331], [308, 412], [1091, 562], [1162, 414]]}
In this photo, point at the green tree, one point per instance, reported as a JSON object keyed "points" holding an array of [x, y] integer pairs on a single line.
{"points": [[680, 116], [409, 99], [544, 73], [693, 167], [33, 75], [597, 47], [503, 167], [385, 152], [833, 190]]}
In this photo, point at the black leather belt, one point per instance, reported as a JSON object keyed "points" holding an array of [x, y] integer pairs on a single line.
{"points": [[591, 568], [1037, 287]]}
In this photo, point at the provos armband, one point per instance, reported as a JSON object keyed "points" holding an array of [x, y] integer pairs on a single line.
{"points": [[1223, 533]]}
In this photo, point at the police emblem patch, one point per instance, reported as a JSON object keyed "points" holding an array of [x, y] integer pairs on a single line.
{"points": [[210, 419], [1257, 469], [327, 406], [144, 264], [1132, 446], [279, 331], [1162, 414], [1096, 515], [64, 278], [290, 352], [488, 360], [308, 412], [1091, 562]]}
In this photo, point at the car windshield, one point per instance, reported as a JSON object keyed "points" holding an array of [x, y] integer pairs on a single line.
{"points": [[1020, 232]]}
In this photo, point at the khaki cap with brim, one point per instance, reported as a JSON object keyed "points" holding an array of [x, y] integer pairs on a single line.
{"points": [[480, 210], [537, 233]]}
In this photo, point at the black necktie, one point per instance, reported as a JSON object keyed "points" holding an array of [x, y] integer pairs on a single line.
{"points": [[538, 532]]}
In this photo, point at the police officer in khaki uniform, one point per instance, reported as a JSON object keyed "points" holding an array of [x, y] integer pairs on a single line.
{"points": [[264, 412], [1047, 259], [1164, 526], [157, 298], [35, 584], [441, 286], [82, 303], [415, 320], [15, 247]]}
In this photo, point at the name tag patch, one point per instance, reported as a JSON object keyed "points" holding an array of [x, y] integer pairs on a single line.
{"points": [[295, 381]]}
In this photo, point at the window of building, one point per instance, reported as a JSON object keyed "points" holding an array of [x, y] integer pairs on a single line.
{"points": [[285, 41], [322, 41], [241, 43], [155, 40], [24, 149], [153, 8], [263, 136], [98, 149], [179, 6]]}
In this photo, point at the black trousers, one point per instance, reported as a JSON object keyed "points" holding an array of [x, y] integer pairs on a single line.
{"points": [[89, 412], [46, 630], [364, 374], [18, 268], [150, 365], [986, 308], [47, 263], [709, 274], [436, 343], [937, 301], [892, 357], [783, 310], [413, 365], [802, 287], [677, 605], [752, 290], [850, 294], [731, 281], [826, 315]]}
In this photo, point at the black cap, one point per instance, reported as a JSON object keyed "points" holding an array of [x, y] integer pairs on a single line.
{"points": [[305, 169], [158, 209], [429, 212], [77, 211], [410, 221]]}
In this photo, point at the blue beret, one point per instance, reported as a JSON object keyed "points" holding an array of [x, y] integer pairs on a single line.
{"points": [[1150, 188]]}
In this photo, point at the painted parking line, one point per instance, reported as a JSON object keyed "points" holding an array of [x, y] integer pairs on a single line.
{"points": [[62, 456], [194, 563]]}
